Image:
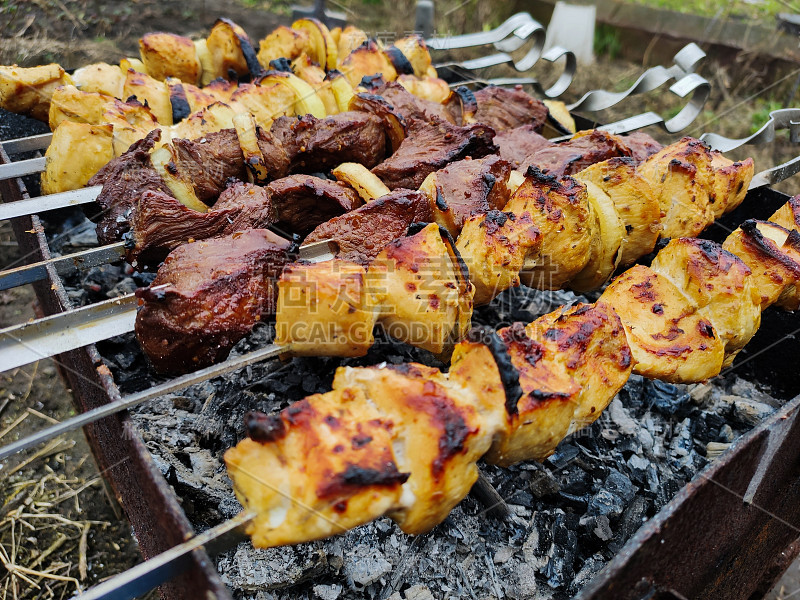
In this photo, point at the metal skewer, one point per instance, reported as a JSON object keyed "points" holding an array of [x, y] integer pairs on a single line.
{"points": [[782, 119]]}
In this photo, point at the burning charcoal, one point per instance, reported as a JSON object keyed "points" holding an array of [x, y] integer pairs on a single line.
{"points": [[576, 481], [590, 568], [620, 417], [632, 395], [78, 297], [606, 503], [564, 454], [559, 569], [143, 279], [598, 525], [638, 466], [631, 521], [619, 485], [124, 287], [747, 389], [670, 400], [543, 483], [652, 478], [99, 280], [748, 412]]}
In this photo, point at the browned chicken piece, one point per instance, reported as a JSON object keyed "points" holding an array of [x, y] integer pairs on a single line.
{"points": [[465, 188], [682, 176], [788, 215], [318, 468], [431, 145], [589, 341], [440, 436], [584, 149], [325, 309], [520, 142], [27, 90], [669, 338], [362, 233], [494, 247], [207, 296], [719, 283], [560, 210], [571, 364], [543, 415], [423, 290], [641, 145], [730, 182], [302, 202], [160, 223], [503, 108], [316, 145], [635, 202], [773, 255], [124, 180]]}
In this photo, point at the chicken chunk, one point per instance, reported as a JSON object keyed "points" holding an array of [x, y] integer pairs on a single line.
{"points": [[719, 283], [424, 290], [560, 210], [320, 467], [325, 309], [669, 338]]}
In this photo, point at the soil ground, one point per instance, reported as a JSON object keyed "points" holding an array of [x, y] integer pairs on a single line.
{"points": [[58, 530]]}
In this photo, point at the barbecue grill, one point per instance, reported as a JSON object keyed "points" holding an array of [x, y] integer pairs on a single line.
{"points": [[727, 533]]}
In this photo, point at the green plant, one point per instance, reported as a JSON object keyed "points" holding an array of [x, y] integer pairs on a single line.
{"points": [[606, 41], [761, 113]]}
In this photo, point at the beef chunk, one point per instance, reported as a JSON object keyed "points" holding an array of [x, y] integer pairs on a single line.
{"points": [[218, 290], [468, 187], [124, 180], [518, 143], [210, 161], [160, 223], [410, 106], [502, 108], [301, 202], [641, 145], [317, 145], [576, 154], [364, 232], [431, 145]]}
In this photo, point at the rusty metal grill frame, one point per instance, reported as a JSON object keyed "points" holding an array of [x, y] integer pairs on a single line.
{"points": [[149, 502]]}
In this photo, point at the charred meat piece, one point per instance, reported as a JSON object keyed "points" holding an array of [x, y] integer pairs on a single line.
{"points": [[316, 145], [124, 180], [431, 145], [578, 153], [364, 232], [502, 108], [302, 202], [465, 188], [518, 143], [210, 161], [641, 145], [160, 223], [207, 296]]}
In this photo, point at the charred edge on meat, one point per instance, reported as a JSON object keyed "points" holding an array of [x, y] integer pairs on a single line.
{"points": [[399, 61], [455, 255], [756, 239], [281, 65], [180, 105], [509, 375], [263, 428]]}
